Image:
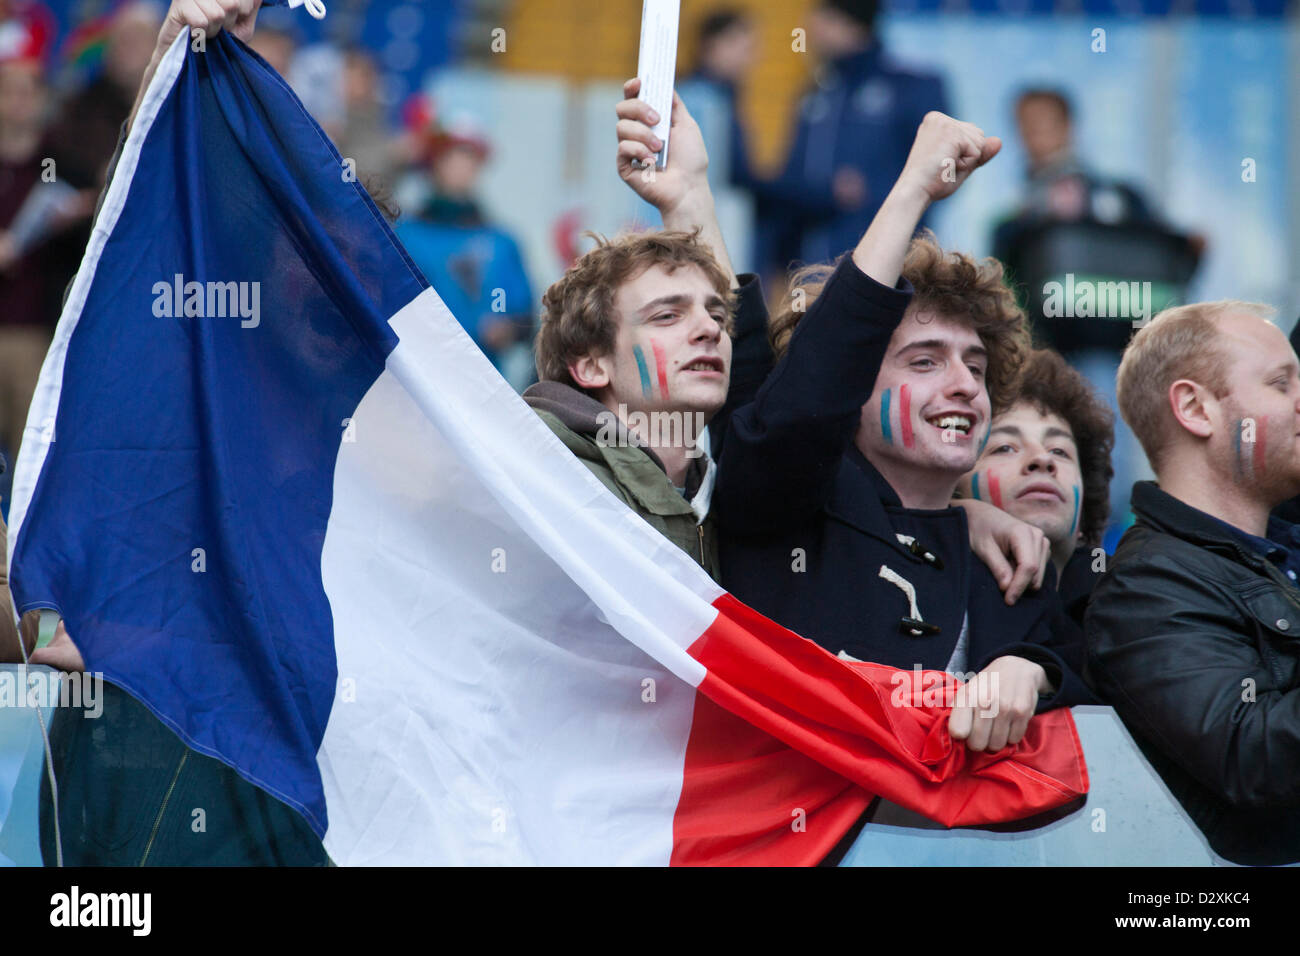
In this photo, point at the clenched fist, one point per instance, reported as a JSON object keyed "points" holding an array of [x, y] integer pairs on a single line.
{"points": [[944, 154], [210, 16]]}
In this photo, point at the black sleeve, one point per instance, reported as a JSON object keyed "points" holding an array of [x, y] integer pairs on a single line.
{"points": [[1175, 664], [751, 354], [1050, 638], [781, 451], [1060, 654], [1288, 511]]}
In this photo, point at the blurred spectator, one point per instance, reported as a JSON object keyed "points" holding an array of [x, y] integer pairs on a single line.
{"points": [[85, 134], [365, 135], [474, 266], [34, 205], [854, 130], [1078, 230], [728, 47], [1058, 184], [316, 75], [1058, 187], [26, 30], [275, 42]]}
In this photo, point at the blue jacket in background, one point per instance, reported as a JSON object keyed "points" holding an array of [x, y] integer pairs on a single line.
{"points": [[466, 264], [863, 113]]}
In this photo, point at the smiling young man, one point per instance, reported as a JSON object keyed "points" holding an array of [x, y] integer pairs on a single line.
{"points": [[835, 483], [1192, 631], [1047, 462]]}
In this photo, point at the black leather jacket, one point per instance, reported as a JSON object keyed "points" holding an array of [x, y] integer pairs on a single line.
{"points": [[1195, 640]]}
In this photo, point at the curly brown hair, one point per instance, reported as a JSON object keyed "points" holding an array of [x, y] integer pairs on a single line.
{"points": [[578, 314], [1054, 388], [948, 283]]}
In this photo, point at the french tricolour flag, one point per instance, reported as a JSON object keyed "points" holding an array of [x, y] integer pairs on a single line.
{"points": [[280, 497]]}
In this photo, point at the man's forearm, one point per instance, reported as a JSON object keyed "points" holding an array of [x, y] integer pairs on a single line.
{"points": [[883, 247], [698, 212]]}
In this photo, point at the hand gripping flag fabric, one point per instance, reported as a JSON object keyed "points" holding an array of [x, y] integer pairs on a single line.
{"points": [[280, 497]]}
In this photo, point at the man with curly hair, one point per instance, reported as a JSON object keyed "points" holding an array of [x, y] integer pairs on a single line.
{"points": [[835, 482], [1047, 462]]}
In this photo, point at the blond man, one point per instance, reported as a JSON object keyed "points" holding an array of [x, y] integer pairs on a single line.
{"points": [[1192, 632]]}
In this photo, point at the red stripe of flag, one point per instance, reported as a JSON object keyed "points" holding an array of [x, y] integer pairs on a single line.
{"points": [[788, 745]]}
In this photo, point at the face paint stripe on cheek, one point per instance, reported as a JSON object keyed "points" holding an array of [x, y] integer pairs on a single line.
{"points": [[985, 440], [661, 369], [975, 486], [884, 418], [995, 490], [646, 389], [1074, 522], [905, 414], [1238, 465], [1259, 446]]}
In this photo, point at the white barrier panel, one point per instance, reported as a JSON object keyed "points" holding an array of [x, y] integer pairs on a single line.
{"points": [[1128, 819]]}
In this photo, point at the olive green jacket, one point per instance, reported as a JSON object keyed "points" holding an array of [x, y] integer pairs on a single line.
{"points": [[633, 472]]}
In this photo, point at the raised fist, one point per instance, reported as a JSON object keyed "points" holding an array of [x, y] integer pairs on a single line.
{"points": [[945, 152], [210, 16]]}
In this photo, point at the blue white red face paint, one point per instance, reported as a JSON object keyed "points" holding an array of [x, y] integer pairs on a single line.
{"points": [[897, 410], [1074, 522], [991, 485], [647, 389], [660, 370]]}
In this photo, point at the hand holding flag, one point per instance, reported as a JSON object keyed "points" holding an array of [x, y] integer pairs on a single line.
{"points": [[335, 550]]}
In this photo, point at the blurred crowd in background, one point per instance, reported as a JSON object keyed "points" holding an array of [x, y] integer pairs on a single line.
{"points": [[1145, 143]]}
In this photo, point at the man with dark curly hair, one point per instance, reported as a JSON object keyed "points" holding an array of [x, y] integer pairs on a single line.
{"points": [[1047, 461], [835, 481]]}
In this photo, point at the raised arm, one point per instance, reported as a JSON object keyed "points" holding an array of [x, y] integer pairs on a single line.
{"points": [[682, 195], [681, 190], [944, 154], [210, 16], [782, 451]]}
